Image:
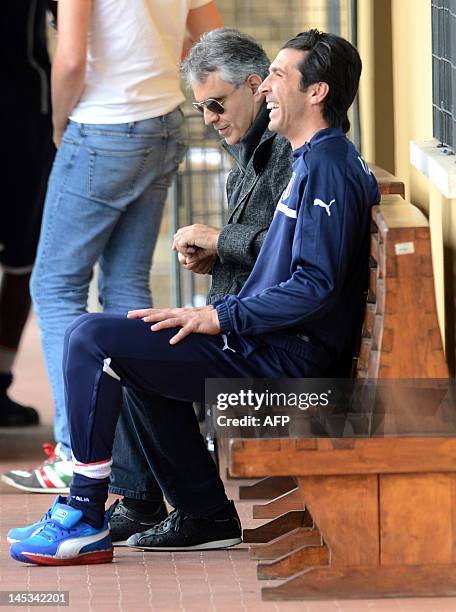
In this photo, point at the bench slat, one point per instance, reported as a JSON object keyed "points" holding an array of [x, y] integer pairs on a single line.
{"points": [[336, 456]]}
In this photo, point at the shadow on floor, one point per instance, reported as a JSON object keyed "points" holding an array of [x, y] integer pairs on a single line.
{"points": [[24, 442]]}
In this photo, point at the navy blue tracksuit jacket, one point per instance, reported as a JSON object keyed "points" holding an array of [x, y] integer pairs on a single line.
{"points": [[306, 291]]}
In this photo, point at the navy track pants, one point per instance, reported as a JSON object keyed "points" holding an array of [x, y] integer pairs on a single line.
{"points": [[104, 352]]}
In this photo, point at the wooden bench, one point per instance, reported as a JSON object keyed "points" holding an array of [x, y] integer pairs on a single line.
{"points": [[368, 517], [388, 183]]}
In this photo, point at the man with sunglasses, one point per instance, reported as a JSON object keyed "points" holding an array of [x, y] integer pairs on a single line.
{"points": [[297, 313], [224, 70]]}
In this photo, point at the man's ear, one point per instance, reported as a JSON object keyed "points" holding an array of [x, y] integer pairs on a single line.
{"points": [[319, 92], [254, 81]]}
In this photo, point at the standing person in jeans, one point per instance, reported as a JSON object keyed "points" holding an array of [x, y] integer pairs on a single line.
{"points": [[224, 70], [117, 126], [27, 137]]}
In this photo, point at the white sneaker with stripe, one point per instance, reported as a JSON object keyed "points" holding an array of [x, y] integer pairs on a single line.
{"points": [[52, 476]]}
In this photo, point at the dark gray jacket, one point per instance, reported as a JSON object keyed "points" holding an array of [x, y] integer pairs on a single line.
{"points": [[253, 188]]}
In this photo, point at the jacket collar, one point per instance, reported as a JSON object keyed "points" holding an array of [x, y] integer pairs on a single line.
{"points": [[257, 134], [317, 138]]}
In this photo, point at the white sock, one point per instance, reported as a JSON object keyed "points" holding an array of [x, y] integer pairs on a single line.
{"points": [[97, 470]]}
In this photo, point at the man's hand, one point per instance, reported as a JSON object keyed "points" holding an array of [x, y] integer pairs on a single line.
{"points": [[192, 320], [187, 239], [199, 262]]}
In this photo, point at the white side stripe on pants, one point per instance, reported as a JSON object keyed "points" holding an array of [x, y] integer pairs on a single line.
{"points": [[107, 368]]}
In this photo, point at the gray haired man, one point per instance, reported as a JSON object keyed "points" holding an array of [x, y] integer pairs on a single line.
{"points": [[224, 70]]}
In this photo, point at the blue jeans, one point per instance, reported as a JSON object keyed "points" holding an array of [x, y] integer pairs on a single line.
{"points": [[104, 204]]}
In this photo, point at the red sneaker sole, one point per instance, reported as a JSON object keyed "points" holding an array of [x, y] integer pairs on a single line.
{"points": [[102, 556]]}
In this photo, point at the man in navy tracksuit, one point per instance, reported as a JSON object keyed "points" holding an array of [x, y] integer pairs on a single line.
{"points": [[296, 315]]}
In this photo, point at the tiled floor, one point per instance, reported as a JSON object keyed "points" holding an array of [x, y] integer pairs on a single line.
{"points": [[221, 581]]}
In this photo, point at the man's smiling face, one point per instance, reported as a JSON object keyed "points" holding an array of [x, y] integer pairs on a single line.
{"points": [[239, 104], [288, 104]]}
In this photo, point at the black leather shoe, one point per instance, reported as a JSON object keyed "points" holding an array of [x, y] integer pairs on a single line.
{"points": [[125, 522], [182, 532]]}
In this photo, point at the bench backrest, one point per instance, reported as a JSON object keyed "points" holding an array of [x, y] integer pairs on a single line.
{"points": [[401, 336], [388, 183]]}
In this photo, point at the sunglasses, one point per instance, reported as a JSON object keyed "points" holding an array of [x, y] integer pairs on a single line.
{"points": [[212, 104]]}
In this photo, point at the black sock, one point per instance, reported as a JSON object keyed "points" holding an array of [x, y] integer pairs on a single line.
{"points": [[143, 506], [89, 495]]}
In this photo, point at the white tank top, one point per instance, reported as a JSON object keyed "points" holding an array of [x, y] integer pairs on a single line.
{"points": [[134, 49]]}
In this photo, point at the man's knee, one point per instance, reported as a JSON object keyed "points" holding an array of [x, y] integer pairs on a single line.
{"points": [[85, 333], [35, 290], [45, 296], [81, 320]]}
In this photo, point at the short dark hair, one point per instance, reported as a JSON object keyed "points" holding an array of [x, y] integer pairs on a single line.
{"points": [[335, 61]]}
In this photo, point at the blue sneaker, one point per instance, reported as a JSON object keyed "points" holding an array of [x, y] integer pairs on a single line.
{"points": [[64, 539], [17, 534]]}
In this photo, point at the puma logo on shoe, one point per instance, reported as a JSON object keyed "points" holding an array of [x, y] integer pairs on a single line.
{"points": [[318, 202]]}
